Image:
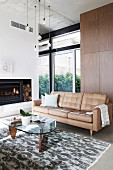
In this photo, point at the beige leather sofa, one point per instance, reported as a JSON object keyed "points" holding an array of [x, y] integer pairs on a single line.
{"points": [[72, 108]]}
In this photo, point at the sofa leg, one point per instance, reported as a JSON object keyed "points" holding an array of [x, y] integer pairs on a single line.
{"points": [[91, 132]]}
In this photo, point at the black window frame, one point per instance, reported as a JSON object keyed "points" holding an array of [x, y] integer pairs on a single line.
{"points": [[53, 34]]}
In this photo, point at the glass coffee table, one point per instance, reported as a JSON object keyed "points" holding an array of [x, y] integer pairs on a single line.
{"points": [[39, 127]]}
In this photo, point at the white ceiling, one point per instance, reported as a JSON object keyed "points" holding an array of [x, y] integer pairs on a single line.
{"points": [[63, 12]]}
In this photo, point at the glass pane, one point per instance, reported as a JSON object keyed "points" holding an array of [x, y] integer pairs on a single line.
{"points": [[64, 71], [66, 39], [43, 45], [43, 69], [78, 76]]}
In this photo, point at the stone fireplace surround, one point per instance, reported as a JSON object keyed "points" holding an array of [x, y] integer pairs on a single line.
{"points": [[16, 101]]}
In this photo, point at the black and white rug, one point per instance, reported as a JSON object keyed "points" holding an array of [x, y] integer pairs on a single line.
{"points": [[66, 151], [4, 133]]}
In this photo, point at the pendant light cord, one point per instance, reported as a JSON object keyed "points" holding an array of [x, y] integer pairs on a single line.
{"points": [[39, 18], [49, 23], [44, 9], [27, 12], [35, 25]]}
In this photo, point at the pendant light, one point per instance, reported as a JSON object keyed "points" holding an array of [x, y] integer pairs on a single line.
{"points": [[39, 36], [27, 26], [35, 49], [44, 19], [49, 44]]}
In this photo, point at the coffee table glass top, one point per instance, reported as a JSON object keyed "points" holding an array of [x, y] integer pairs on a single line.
{"points": [[36, 126]]}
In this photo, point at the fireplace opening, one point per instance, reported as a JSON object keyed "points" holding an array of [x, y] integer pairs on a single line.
{"points": [[9, 91], [13, 91]]}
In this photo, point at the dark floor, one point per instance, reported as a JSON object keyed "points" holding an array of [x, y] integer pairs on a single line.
{"points": [[106, 134]]}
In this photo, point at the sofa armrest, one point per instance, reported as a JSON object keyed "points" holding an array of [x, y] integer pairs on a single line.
{"points": [[97, 117], [37, 102], [110, 111]]}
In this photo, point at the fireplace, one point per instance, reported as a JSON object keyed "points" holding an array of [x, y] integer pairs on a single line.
{"points": [[12, 91]]}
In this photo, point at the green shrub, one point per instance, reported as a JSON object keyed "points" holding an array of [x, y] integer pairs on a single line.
{"points": [[62, 83], [43, 84]]}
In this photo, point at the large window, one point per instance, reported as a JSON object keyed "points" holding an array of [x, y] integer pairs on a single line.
{"points": [[66, 39], [64, 69], [43, 45], [43, 69], [59, 69], [67, 71]]}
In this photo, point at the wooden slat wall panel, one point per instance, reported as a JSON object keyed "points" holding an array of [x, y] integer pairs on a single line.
{"points": [[83, 72], [97, 51], [110, 32], [81, 53], [106, 72], [106, 28], [90, 33], [91, 61], [103, 33]]}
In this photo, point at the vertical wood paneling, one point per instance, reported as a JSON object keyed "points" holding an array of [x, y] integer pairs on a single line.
{"points": [[97, 51], [82, 72], [90, 32], [81, 53], [105, 16], [110, 32], [87, 73], [91, 64], [106, 72], [103, 33], [95, 72]]}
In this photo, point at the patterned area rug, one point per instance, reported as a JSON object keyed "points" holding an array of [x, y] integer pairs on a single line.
{"points": [[3, 133], [66, 151]]}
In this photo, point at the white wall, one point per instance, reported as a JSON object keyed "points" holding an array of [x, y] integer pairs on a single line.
{"points": [[18, 46]]}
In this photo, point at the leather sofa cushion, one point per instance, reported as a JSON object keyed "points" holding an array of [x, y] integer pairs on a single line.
{"points": [[59, 112], [72, 100], [80, 116], [42, 109], [60, 97], [89, 101]]}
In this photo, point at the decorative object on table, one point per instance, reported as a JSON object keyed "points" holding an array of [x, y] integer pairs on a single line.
{"points": [[25, 117], [15, 121]]}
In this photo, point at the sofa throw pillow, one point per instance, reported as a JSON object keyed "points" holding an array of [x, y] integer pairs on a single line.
{"points": [[42, 100], [50, 100]]}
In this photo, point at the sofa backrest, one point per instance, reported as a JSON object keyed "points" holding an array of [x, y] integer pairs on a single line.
{"points": [[89, 101], [72, 100], [60, 97]]}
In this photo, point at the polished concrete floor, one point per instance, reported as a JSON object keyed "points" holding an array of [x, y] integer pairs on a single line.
{"points": [[106, 134]]}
